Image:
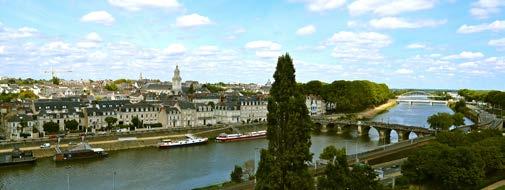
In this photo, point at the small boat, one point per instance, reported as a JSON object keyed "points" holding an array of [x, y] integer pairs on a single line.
{"points": [[223, 137], [79, 151], [17, 157], [190, 140]]}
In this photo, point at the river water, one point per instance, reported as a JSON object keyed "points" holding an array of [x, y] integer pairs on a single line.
{"points": [[186, 167]]}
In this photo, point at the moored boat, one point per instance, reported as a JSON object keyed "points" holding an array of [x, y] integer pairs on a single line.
{"points": [[223, 137], [190, 140], [79, 151], [17, 157]]}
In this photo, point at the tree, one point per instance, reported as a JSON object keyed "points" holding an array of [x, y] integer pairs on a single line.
{"points": [[51, 127], [458, 119], [27, 94], [71, 125], [460, 106], [110, 121], [111, 87], [55, 80], [236, 174], [191, 89], [136, 123], [283, 165], [441, 121], [336, 174]]}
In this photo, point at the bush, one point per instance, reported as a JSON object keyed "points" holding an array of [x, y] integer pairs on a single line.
{"points": [[236, 174]]}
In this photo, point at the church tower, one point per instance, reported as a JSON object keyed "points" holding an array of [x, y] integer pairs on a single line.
{"points": [[176, 81]]}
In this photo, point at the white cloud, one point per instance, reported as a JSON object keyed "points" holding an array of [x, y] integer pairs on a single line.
{"points": [[11, 33], [262, 44], [264, 49], [207, 50], [495, 26], [389, 7], [135, 5], [101, 17], [174, 49], [350, 46], [2, 49], [468, 65], [192, 20], [497, 42], [397, 23], [91, 40], [465, 55], [324, 5], [404, 71], [484, 8], [416, 46], [306, 30]]}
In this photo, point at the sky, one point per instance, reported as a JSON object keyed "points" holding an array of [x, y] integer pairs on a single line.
{"points": [[445, 44]]}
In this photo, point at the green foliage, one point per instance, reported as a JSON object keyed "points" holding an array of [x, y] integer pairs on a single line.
{"points": [[111, 87], [457, 160], [110, 121], [441, 121], [349, 96], [471, 95], [213, 88], [120, 81], [458, 119], [496, 98], [460, 106], [27, 94], [4, 97], [337, 174], [51, 127], [284, 164], [71, 125], [55, 80], [236, 174], [136, 123], [191, 89], [25, 135]]}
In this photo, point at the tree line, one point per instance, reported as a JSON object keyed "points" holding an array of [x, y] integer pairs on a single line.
{"points": [[458, 161], [348, 96]]}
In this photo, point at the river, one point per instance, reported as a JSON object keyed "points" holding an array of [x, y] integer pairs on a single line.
{"points": [[186, 167]]}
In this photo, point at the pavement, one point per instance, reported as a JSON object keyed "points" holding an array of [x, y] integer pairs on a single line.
{"points": [[495, 185]]}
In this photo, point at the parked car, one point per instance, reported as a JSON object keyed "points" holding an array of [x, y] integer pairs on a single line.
{"points": [[45, 146]]}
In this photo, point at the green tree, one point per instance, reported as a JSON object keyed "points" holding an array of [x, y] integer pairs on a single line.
{"points": [[363, 177], [110, 121], [283, 164], [191, 89], [336, 175], [441, 121], [236, 174], [51, 127], [55, 80], [111, 87], [27, 94], [458, 119], [71, 125], [136, 123]]}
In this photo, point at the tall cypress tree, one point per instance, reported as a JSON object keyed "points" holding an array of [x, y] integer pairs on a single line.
{"points": [[284, 164]]}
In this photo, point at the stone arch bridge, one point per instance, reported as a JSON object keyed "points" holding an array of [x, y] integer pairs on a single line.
{"points": [[384, 129]]}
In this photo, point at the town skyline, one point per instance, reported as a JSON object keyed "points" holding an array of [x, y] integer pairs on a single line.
{"points": [[405, 45]]}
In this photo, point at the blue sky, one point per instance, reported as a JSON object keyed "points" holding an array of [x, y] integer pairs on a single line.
{"points": [[403, 43]]}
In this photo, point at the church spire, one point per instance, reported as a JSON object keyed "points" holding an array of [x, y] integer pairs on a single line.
{"points": [[176, 81]]}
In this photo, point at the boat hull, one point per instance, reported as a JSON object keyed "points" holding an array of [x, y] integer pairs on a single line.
{"points": [[67, 156], [16, 163], [240, 138], [166, 146]]}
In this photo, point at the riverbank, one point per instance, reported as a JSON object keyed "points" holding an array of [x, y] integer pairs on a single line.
{"points": [[365, 114], [139, 141], [372, 112]]}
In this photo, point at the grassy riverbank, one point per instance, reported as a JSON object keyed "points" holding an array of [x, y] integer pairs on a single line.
{"points": [[111, 143]]}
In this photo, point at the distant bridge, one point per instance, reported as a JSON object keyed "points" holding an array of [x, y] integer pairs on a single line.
{"points": [[384, 129], [426, 101]]}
